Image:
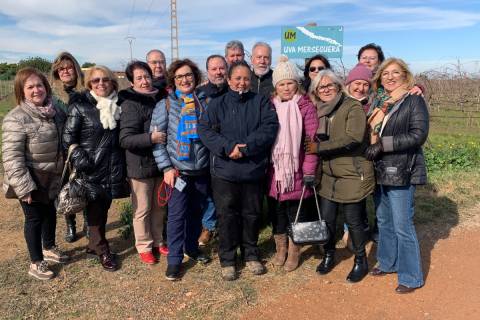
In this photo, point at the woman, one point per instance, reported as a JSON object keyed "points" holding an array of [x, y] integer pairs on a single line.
{"points": [[145, 179], [92, 123], [313, 66], [371, 55], [347, 177], [290, 167], [399, 123], [66, 78], [33, 163], [239, 129], [184, 163]]}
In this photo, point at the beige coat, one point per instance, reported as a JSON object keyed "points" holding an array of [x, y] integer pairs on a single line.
{"points": [[32, 154]]}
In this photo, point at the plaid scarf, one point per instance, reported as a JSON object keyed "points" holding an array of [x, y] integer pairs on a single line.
{"points": [[381, 106], [187, 126]]}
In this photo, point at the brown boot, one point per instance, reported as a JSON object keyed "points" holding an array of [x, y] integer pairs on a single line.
{"points": [[281, 249], [293, 256]]}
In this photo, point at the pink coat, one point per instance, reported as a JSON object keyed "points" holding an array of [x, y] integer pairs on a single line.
{"points": [[308, 162]]}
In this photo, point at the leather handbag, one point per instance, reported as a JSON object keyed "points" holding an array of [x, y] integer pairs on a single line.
{"points": [[313, 232], [67, 202]]}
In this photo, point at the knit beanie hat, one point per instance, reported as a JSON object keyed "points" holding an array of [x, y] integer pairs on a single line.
{"points": [[285, 70], [360, 72]]}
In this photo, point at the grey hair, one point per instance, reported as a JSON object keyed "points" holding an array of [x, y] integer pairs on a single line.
{"points": [[262, 44], [234, 44], [152, 51], [329, 74]]}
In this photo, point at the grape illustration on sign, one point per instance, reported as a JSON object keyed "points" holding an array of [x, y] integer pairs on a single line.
{"points": [[304, 42]]}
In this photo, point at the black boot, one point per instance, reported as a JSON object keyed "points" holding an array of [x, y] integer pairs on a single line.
{"points": [[327, 263], [86, 229], [71, 232], [359, 270]]}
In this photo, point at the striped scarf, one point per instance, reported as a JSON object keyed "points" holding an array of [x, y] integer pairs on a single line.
{"points": [[187, 126]]}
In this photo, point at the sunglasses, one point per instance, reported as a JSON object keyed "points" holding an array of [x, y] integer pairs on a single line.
{"points": [[316, 69], [97, 80]]}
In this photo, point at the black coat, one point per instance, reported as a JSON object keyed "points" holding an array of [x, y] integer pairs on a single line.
{"points": [[239, 119], [406, 130], [135, 120], [213, 91], [263, 84], [99, 158]]}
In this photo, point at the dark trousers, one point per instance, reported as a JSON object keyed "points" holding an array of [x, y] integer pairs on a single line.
{"points": [[97, 213], [283, 213], [354, 220], [239, 207], [40, 224], [184, 223]]}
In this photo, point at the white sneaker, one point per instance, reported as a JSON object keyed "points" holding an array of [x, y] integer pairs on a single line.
{"points": [[55, 255], [41, 271]]}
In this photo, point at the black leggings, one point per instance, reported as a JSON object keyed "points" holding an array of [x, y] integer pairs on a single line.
{"points": [[40, 223], [354, 218], [282, 213]]}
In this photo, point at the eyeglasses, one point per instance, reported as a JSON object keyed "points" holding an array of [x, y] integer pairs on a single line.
{"points": [[64, 69], [316, 69], [367, 58], [393, 74], [155, 62], [187, 76], [97, 80], [330, 86]]}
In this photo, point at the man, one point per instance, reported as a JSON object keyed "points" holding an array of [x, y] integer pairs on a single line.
{"points": [[217, 76], [156, 61], [234, 52], [262, 74]]}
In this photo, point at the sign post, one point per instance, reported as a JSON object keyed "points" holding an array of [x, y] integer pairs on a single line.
{"points": [[304, 42]]}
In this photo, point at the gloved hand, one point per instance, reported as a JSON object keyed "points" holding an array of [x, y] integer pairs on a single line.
{"points": [[308, 181], [311, 147], [81, 160], [373, 151]]}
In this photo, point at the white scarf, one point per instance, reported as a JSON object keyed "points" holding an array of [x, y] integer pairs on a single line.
{"points": [[109, 110]]}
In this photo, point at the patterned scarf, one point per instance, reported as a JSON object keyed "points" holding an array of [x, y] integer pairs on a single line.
{"points": [[381, 106], [46, 111], [187, 126], [286, 149]]}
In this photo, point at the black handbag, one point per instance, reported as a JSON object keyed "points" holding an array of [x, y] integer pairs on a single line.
{"points": [[313, 232]]}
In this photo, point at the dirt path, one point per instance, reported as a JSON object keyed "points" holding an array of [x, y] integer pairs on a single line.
{"points": [[451, 291]]}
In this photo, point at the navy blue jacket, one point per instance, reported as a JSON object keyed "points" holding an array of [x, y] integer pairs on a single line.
{"points": [[233, 119]]}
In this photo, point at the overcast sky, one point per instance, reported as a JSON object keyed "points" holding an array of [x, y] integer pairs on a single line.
{"points": [[427, 34]]}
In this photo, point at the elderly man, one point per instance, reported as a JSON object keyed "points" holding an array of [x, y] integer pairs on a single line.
{"points": [[217, 76], [156, 61], [234, 52], [262, 74]]}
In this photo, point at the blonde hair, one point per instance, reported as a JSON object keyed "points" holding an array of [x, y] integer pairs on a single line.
{"points": [[107, 72], [326, 73], [377, 78]]}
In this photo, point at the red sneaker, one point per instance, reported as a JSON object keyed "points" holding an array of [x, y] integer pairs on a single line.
{"points": [[163, 250], [147, 257]]}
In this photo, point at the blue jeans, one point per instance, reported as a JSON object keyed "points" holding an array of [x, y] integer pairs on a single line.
{"points": [[398, 250], [209, 219]]}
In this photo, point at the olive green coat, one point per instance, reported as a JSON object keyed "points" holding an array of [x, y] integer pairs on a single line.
{"points": [[346, 176]]}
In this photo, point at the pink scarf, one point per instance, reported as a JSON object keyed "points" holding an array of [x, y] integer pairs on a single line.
{"points": [[286, 149], [46, 111]]}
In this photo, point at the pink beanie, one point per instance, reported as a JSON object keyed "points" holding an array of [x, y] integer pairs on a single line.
{"points": [[360, 72]]}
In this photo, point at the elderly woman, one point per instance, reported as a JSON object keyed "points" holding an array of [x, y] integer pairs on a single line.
{"points": [[290, 168], [239, 128], [399, 123], [184, 163], [347, 177], [313, 66], [66, 78], [145, 179], [92, 124], [33, 162]]}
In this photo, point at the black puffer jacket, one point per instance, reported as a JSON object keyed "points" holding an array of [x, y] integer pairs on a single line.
{"points": [[239, 119], [135, 137], [406, 130], [263, 84], [99, 158], [213, 91]]}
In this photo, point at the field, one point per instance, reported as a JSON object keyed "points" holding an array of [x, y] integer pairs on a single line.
{"points": [[448, 223]]}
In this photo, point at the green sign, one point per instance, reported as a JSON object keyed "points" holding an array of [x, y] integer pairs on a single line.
{"points": [[304, 42]]}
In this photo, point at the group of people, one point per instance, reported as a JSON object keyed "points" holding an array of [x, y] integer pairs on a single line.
{"points": [[202, 157]]}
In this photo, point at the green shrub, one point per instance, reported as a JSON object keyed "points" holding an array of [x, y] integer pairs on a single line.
{"points": [[450, 153], [126, 218]]}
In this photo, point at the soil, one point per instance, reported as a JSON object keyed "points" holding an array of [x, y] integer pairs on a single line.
{"points": [[82, 290]]}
